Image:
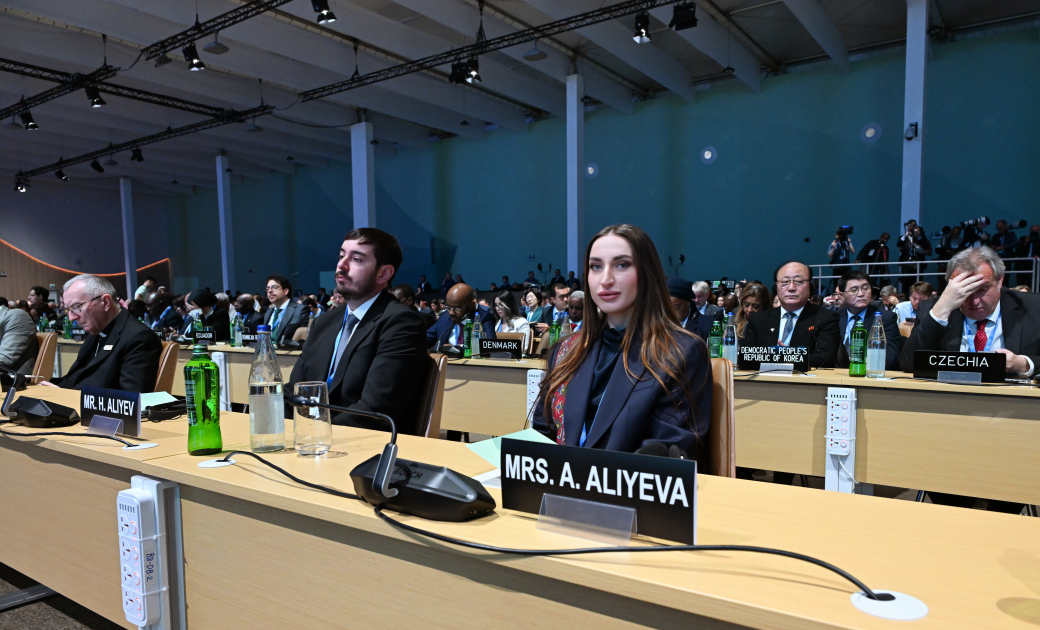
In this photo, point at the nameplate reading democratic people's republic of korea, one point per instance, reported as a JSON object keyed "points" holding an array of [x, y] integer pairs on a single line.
{"points": [[662, 490], [753, 358], [111, 403], [991, 365], [512, 346]]}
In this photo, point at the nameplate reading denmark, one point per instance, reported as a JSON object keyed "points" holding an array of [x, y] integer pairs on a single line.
{"points": [[205, 336], [662, 490], [512, 346], [752, 358], [111, 403], [991, 365]]}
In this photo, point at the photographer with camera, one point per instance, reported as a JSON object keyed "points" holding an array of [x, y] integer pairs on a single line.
{"points": [[949, 244], [876, 251], [1004, 242], [913, 246], [975, 235], [841, 251]]}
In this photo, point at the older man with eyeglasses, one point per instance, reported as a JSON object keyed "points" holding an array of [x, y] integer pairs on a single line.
{"points": [[119, 351]]}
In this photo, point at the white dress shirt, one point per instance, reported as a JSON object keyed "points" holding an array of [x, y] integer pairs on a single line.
{"points": [[994, 334], [783, 324], [905, 311]]}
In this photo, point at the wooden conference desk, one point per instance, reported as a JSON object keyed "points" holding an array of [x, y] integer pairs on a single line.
{"points": [[970, 440], [239, 362], [263, 552]]}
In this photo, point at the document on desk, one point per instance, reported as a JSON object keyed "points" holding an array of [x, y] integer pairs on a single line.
{"points": [[491, 449]]}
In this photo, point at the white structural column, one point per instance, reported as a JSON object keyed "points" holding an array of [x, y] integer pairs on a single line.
{"points": [[227, 239], [913, 107], [363, 174], [575, 174], [129, 242]]}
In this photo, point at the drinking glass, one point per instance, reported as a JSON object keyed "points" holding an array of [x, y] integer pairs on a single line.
{"points": [[312, 426]]}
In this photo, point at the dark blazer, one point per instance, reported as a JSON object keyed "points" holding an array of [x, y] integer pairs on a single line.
{"points": [[295, 315], [1019, 318], [557, 280], [383, 367], [127, 359], [423, 287], [711, 310], [438, 334], [252, 320], [816, 329], [172, 319], [700, 325], [634, 413], [547, 315], [893, 340], [220, 322]]}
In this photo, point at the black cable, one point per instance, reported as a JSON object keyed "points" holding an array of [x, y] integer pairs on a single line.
{"points": [[586, 550], [572, 552], [332, 491], [303, 124], [49, 433]]}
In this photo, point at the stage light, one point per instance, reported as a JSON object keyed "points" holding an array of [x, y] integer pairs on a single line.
{"points": [[94, 96], [253, 127], [21, 186], [473, 71], [684, 16], [325, 15], [191, 54], [458, 73], [136, 156], [28, 122], [97, 166], [111, 162], [60, 174], [642, 33]]}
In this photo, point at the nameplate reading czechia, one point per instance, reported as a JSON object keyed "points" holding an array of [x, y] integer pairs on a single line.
{"points": [[662, 490], [753, 358], [991, 365], [111, 403]]}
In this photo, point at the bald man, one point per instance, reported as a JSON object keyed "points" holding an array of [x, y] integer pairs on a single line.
{"points": [[461, 304]]}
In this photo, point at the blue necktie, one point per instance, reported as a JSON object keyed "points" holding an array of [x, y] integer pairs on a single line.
{"points": [[344, 339], [787, 329]]}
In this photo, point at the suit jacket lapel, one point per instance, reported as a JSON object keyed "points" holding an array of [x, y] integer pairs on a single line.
{"points": [[619, 388], [801, 326], [577, 398], [954, 330], [363, 329], [110, 341], [1011, 318], [325, 349]]}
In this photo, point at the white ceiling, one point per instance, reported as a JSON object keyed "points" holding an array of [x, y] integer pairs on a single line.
{"points": [[291, 53]]}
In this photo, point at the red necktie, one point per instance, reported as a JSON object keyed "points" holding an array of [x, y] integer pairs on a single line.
{"points": [[980, 335]]}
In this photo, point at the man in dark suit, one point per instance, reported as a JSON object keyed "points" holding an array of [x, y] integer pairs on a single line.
{"points": [[559, 294], [285, 315], [974, 314], [681, 293], [461, 302], [161, 313], [119, 351], [796, 322], [573, 282], [371, 351], [701, 293], [405, 295], [557, 278], [200, 304], [423, 286], [245, 307], [855, 286], [876, 251]]}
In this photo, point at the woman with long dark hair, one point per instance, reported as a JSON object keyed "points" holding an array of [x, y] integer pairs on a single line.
{"points": [[508, 318], [753, 299], [631, 375]]}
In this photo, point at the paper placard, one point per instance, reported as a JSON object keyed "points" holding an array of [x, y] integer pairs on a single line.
{"points": [[662, 490], [752, 358], [991, 365], [111, 403]]}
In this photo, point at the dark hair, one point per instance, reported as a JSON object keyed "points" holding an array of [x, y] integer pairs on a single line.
{"points": [[41, 292], [508, 301], [403, 291], [282, 281], [136, 308], [537, 295], [201, 298], [384, 245], [308, 301], [853, 275], [152, 278], [3, 301], [653, 319], [924, 288], [555, 289]]}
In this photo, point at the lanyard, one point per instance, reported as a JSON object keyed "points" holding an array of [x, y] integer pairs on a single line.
{"points": [[989, 336], [161, 317], [281, 312], [335, 348]]}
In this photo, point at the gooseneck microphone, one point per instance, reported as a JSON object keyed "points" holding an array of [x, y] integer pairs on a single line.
{"points": [[385, 468]]}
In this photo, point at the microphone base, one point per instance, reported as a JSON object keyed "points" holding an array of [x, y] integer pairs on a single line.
{"points": [[431, 492], [901, 607]]}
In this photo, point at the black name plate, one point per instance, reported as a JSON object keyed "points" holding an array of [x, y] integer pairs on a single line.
{"points": [[111, 403], [205, 336], [512, 346], [662, 490], [752, 358], [991, 365]]}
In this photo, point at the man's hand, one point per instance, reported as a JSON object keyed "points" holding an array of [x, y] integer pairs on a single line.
{"points": [[957, 291], [50, 384], [1016, 363]]}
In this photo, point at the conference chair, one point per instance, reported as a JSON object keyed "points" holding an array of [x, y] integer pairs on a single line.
{"points": [[43, 370], [433, 396], [525, 346], [301, 334], [167, 367], [905, 329], [721, 436]]}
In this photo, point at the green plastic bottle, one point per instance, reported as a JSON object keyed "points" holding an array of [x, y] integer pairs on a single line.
{"points": [[467, 339], [196, 325], [858, 349], [554, 332], [66, 329], [715, 340], [202, 391]]}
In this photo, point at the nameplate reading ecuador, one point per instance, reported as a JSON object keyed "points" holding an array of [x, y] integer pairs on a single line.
{"points": [[752, 358], [512, 346], [205, 336], [662, 490], [111, 403], [991, 365]]}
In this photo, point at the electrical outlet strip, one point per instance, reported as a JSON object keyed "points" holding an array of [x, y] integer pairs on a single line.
{"points": [[138, 556], [841, 420], [166, 496], [534, 384]]}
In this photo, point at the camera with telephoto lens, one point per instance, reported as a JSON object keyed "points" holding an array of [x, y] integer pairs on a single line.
{"points": [[844, 232], [982, 221]]}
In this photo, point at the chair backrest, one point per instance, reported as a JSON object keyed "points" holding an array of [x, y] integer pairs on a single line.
{"points": [[433, 396], [722, 431], [301, 334], [167, 367], [43, 370], [515, 335], [905, 329]]}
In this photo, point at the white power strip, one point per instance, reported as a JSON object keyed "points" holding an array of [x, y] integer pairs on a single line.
{"points": [[138, 556], [534, 385], [841, 420]]}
